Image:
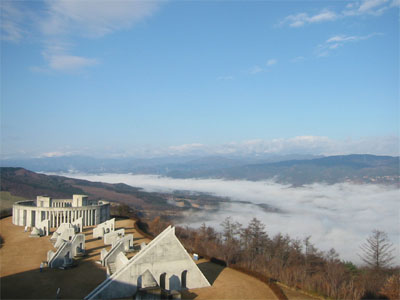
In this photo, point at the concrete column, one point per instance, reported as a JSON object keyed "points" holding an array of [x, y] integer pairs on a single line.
{"points": [[96, 216], [28, 217], [38, 215]]}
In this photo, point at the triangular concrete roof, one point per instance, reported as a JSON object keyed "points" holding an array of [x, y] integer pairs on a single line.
{"points": [[164, 254]]}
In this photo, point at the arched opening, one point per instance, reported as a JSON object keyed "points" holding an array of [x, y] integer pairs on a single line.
{"points": [[162, 280], [183, 279], [139, 282]]}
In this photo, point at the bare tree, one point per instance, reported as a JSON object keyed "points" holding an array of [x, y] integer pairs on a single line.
{"points": [[377, 251]]}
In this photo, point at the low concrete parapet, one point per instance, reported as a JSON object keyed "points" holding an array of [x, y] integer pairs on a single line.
{"points": [[110, 238], [106, 227]]}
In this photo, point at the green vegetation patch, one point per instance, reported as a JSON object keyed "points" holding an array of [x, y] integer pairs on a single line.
{"points": [[7, 200]]}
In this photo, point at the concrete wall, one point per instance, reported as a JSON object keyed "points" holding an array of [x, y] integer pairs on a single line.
{"points": [[103, 228], [165, 258], [112, 237], [27, 213], [58, 258], [44, 227], [66, 251], [120, 261], [78, 224], [78, 244], [43, 201], [127, 241], [112, 254]]}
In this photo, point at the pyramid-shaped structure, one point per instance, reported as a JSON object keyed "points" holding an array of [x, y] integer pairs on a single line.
{"points": [[165, 258]]}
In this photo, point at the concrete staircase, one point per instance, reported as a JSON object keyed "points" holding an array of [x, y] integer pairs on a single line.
{"points": [[112, 267]]}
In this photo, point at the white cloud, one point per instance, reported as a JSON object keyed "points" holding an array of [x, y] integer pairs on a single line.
{"points": [[317, 145], [60, 22], [186, 147], [339, 216], [256, 70], [301, 19], [298, 59], [55, 154], [70, 62], [272, 62], [337, 41], [94, 18], [365, 7], [11, 19]]}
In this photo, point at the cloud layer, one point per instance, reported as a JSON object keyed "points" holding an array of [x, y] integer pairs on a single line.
{"points": [[339, 216], [58, 24], [318, 145], [356, 8]]}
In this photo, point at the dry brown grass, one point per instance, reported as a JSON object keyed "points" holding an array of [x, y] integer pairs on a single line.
{"points": [[20, 258]]}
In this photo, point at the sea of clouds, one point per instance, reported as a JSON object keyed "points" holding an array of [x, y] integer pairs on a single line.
{"points": [[339, 216]]}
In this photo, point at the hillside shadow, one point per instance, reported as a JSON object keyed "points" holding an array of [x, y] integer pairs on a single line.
{"points": [[210, 270], [74, 283]]}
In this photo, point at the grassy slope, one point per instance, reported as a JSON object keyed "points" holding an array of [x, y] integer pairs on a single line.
{"points": [[7, 200]]}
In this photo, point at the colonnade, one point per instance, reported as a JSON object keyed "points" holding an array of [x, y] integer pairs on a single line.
{"points": [[58, 217], [26, 214]]}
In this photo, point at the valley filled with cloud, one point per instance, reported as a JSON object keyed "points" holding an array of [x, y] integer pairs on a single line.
{"points": [[339, 216]]}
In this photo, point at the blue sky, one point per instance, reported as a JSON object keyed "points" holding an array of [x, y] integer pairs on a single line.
{"points": [[140, 78]]}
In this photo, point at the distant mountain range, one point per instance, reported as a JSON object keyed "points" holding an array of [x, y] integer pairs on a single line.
{"points": [[332, 169], [294, 169]]}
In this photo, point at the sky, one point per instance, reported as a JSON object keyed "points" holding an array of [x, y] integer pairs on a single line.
{"points": [[136, 78], [341, 215]]}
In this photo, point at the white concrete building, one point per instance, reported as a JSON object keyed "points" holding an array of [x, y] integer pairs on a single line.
{"points": [[106, 227], [66, 251], [31, 213], [164, 263]]}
